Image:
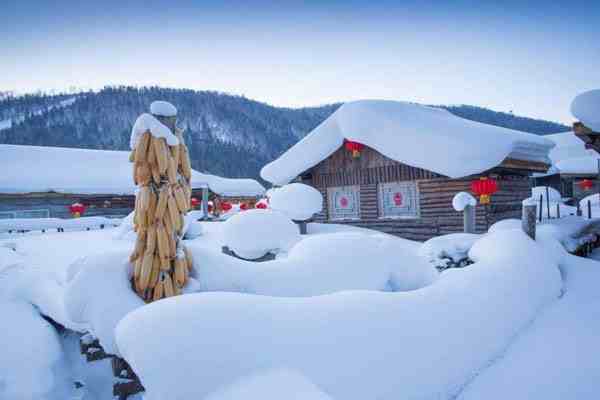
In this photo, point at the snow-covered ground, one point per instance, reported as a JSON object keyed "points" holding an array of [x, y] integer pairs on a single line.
{"points": [[342, 313]]}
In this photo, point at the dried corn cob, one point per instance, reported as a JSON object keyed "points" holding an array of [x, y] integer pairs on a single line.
{"points": [[180, 199], [141, 148], [180, 272], [155, 272], [163, 242], [146, 271], [160, 150], [158, 291], [161, 207], [186, 167], [188, 257], [171, 171], [168, 286]]}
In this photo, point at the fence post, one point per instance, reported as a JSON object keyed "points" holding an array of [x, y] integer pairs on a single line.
{"points": [[528, 218], [205, 203], [548, 201], [469, 219], [589, 207], [557, 210]]}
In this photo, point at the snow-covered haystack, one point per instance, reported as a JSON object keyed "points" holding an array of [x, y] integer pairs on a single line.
{"points": [[254, 233], [460, 324], [449, 251], [586, 108], [276, 384], [463, 199], [296, 200]]}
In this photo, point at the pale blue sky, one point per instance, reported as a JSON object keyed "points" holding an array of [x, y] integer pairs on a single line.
{"points": [[532, 59]]}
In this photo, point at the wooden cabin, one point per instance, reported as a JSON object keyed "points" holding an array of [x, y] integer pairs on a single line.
{"points": [[572, 162], [390, 187], [39, 182]]}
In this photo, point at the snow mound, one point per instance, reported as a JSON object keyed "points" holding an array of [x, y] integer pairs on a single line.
{"points": [[456, 147], [276, 384], [460, 324], [99, 294], [463, 199], [163, 108], [557, 208], [586, 108], [297, 200], [148, 123], [252, 234], [505, 224]]}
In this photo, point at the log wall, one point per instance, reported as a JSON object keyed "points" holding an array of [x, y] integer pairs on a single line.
{"points": [[435, 193]]}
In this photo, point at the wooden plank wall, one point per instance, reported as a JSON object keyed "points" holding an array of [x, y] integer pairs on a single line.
{"points": [[435, 195], [57, 204]]}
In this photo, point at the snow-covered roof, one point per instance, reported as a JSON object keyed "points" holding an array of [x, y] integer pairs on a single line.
{"points": [[570, 156], [586, 108], [26, 169], [420, 136]]}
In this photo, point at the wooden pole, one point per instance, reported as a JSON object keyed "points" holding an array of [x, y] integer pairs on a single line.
{"points": [[589, 207], [204, 203], [557, 210], [469, 219], [548, 201], [541, 207], [528, 222]]}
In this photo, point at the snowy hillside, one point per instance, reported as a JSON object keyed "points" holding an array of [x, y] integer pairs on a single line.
{"points": [[228, 135]]}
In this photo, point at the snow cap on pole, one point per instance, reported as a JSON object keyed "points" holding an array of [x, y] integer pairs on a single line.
{"points": [[163, 109]]}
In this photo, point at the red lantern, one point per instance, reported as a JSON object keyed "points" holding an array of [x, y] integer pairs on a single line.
{"points": [[262, 204], [194, 202], [77, 210], [344, 202], [398, 199], [586, 184], [354, 147], [484, 188], [225, 206], [243, 206], [210, 207]]}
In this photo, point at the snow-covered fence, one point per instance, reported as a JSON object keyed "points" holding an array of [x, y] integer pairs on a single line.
{"points": [[43, 224]]}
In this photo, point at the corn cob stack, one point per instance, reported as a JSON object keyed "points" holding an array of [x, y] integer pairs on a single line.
{"points": [[162, 173]]}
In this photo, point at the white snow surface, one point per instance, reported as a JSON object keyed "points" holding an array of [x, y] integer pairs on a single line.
{"points": [[253, 233], [555, 201], [454, 246], [463, 199], [163, 108], [298, 201], [37, 224], [570, 156], [416, 135], [275, 384], [586, 108], [148, 123], [351, 344], [233, 187]]}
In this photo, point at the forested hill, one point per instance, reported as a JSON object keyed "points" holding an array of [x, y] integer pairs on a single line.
{"points": [[228, 135]]}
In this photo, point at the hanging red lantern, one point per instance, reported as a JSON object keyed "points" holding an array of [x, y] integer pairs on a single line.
{"points": [[484, 187], [398, 199], [77, 210], [354, 147], [194, 202], [226, 206], [243, 206], [586, 184], [262, 204]]}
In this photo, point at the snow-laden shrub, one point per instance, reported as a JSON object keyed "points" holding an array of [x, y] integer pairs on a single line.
{"points": [[449, 251], [252, 234], [296, 200]]}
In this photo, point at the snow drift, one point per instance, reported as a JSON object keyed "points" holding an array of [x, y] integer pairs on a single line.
{"points": [[353, 344]]}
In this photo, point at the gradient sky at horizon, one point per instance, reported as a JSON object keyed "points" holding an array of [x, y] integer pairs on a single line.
{"points": [[528, 58]]}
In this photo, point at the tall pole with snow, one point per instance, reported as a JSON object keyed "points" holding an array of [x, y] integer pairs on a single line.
{"points": [[162, 173]]}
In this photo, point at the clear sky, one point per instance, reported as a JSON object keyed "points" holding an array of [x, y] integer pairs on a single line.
{"points": [[529, 57]]}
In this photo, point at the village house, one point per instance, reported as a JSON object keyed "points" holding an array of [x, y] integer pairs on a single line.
{"points": [[39, 182], [395, 167], [574, 170]]}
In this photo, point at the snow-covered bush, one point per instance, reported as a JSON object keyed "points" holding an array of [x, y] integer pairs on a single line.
{"points": [[252, 234], [296, 200], [449, 251]]}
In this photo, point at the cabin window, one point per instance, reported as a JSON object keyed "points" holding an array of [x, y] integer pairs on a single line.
{"points": [[398, 200], [343, 202]]}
